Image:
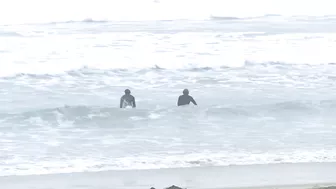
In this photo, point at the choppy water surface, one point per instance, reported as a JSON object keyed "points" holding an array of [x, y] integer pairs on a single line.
{"points": [[265, 88]]}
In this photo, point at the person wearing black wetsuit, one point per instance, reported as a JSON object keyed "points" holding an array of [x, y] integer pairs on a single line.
{"points": [[185, 99], [127, 100]]}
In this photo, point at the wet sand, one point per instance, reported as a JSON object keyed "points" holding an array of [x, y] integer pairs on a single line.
{"points": [[280, 176]]}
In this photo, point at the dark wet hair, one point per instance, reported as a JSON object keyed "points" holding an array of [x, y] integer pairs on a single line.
{"points": [[127, 91], [185, 91]]}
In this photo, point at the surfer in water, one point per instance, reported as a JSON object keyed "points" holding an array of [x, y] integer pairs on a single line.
{"points": [[127, 100], [185, 99]]}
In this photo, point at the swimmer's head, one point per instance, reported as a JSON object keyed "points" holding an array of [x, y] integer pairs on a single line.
{"points": [[185, 91], [127, 91]]}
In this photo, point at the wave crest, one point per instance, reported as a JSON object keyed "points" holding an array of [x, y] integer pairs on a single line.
{"points": [[115, 69], [10, 34], [105, 116]]}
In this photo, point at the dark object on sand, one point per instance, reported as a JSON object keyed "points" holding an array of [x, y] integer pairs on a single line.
{"points": [[171, 187]]}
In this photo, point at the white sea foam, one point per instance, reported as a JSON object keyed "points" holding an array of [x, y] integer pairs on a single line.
{"points": [[264, 85], [178, 51], [83, 164], [41, 11]]}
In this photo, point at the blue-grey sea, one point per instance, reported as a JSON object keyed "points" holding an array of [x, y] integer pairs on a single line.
{"points": [[265, 84]]}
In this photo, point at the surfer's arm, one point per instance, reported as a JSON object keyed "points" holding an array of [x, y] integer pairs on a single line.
{"points": [[193, 101], [134, 105], [179, 101]]}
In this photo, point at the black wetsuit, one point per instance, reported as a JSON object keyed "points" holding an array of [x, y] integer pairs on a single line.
{"points": [[127, 100], [185, 99]]}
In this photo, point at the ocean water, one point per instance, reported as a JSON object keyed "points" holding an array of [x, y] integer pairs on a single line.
{"points": [[263, 74]]}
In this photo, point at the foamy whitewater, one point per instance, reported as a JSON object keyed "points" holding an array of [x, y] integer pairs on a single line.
{"points": [[262, 72]]}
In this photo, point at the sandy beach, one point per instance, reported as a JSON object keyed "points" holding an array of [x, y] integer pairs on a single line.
{"points": [[287, 176]]}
